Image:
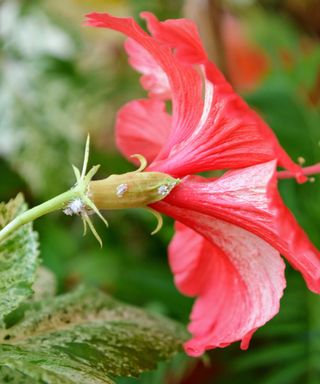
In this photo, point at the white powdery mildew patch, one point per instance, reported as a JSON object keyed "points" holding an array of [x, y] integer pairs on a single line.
{"points": [[163, 190], [121, 190], [75, 207]]}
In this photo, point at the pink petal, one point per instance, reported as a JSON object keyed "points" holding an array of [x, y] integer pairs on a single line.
{"points": [[231, 134], [186, 260], [142, 126], [238, 278], [249, 199], [154, 78], [221, 132], [185, 82], [181, 34]]}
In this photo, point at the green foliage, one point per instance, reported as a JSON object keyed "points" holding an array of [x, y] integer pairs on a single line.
{"points": [[294, 122], [18, 259], [85, 337], [45, 284], [52, 94], [172, 371], [287, 349], [164, 9], [45, 106]]}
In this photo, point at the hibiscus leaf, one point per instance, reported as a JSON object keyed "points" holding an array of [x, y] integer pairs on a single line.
{"points": [[18, 259], [87, 337], [45, 285]]}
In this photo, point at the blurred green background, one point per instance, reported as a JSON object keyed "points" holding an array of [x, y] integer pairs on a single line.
{"points": [[60, 80]]}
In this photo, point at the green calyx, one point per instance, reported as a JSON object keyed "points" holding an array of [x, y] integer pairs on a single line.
{"points": [[82, 205], [135, 189]]}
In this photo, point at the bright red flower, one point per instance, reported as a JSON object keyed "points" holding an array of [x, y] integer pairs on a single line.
{"points": [[246, 62], [230, 230]]}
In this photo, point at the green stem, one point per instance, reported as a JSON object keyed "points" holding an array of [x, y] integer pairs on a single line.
{"points": [[32, 214]]}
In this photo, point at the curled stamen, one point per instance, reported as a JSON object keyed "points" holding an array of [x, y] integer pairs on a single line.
{"points": [[159, 220], [143, 162]]}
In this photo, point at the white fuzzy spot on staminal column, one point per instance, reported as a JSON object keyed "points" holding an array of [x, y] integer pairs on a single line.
{"points": [[163, 190], [121, 189]]}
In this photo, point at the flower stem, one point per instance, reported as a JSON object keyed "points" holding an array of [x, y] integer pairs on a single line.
{"points": [[32, 214]]}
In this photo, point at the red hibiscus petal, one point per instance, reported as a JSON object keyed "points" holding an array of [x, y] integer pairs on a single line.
{"points": [[231, 134], [185, 82], [142, 126], [186, 262], [249, 199], [178, 33], [181, 34], [221, 132], [154, 79], [238, 278]]}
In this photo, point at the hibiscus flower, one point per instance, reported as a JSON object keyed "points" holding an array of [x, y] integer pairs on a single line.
{"points": [[230, 230]]}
